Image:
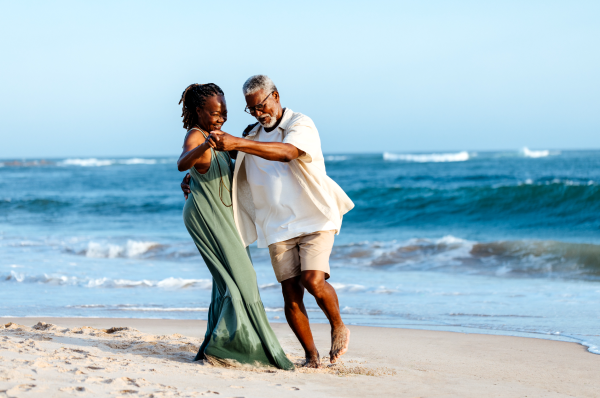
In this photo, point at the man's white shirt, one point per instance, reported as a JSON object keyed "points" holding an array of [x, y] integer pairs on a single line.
{"points": [[283, 209], [276, 201]]}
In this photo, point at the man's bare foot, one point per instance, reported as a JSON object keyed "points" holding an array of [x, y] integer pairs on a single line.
{"points": [[340, 339], [312, 361]]}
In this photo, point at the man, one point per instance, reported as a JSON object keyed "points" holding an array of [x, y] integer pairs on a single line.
{"points": [[283, 198]]}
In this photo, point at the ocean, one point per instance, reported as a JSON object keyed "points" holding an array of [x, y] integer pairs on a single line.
{"points": [[489, 242]]}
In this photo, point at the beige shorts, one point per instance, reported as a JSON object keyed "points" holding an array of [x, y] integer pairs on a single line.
{"points": [[308, 252]]}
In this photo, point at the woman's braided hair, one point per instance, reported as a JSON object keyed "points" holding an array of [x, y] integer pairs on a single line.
{"points": [[195, 96]]}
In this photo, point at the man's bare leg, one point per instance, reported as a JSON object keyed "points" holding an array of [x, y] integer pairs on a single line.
{"points": [[324, 293], [297, 318]]}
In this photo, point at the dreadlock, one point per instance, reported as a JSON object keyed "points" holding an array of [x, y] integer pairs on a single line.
{"points": [[195, 96]]}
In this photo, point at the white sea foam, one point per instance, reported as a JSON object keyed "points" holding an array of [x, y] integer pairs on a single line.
{"points": [[118, 283], [349, 288], [138, 161], [170, 283], [570, 182], [427, 158], [181, 283], [131, 307], [43, 278], [108, 250], [520, 258], [159, 309], [593, 348], [526, 152], [412, 253], [87, 306], [94, 162], [91, 162], [270, 286], [384, 290], [359, 311], [335, 158], [558, 181]]}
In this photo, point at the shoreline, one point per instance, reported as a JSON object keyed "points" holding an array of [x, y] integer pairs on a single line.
{"points": [[436, 328], [153, 358]]}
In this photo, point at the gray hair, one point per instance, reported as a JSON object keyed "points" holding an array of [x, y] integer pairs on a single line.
{"points": [[258, 82]]}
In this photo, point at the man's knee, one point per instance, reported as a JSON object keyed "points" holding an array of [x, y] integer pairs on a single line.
{"points": [[292, 290], [313, 281]]}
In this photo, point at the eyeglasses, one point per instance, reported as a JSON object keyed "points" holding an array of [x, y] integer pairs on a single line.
{"points": [[259, 107]]}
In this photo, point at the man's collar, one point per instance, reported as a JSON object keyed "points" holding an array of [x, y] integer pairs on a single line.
{"points": [[285, 119], [283, 124]]}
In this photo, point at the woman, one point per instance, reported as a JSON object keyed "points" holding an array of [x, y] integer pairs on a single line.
{"points": [[238, 328]]}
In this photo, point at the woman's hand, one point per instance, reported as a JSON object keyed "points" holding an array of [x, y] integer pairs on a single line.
{"points": [[210, 142], [223, 141]]}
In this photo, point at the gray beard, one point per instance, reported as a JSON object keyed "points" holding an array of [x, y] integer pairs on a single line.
{"points": [[270, 124]]}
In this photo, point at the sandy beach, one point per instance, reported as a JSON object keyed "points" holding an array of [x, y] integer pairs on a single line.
{"points": [[55, 357]]}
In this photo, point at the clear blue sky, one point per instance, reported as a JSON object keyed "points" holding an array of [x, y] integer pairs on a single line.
{"points": [[103, 79]]}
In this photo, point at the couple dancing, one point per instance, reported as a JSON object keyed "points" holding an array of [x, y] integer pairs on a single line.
{"points": [[277, 193]]}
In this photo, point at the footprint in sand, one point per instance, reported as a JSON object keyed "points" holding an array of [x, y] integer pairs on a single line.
{"points": [[20, 388]]}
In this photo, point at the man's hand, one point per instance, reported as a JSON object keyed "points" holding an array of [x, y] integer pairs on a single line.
{"points": [[276, 151], [185, 185], [223, 141]]}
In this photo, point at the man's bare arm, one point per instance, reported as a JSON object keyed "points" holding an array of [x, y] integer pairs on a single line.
{"points": [[185, 185], [275, 151]]}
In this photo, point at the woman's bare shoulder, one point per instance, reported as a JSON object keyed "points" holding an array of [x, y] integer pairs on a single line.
{"points": [[193, 135]]}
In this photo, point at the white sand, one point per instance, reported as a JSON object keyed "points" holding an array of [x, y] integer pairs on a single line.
{"points": [[77, 357]]}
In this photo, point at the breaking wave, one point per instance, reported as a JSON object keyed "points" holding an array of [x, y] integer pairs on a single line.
{"points": [[530, 203], [108, 250], [57, 279], [509, 258], [520, 258]]}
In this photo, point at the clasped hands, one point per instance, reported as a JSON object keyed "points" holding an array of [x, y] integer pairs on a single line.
{"points": [[221, 141]]}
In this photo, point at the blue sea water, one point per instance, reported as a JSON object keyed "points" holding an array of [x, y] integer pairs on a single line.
{"points": [[494, 242]]}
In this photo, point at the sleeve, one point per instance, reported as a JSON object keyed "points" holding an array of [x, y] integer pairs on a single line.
{"points": [[304, 136]]}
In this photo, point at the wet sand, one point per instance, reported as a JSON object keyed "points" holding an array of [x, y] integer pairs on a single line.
{"points": [[152, 358]]}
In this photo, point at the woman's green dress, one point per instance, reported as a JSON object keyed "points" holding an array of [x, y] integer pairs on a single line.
{"points": [[238, 328]]}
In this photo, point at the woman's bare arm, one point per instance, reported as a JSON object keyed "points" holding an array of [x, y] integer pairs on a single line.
{"points": [[196, 152]]}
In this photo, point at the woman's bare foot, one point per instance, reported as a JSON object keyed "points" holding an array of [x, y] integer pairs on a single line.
{"points": [[312, 361], [340, 339]]}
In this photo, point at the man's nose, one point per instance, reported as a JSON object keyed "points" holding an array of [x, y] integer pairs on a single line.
{"points": [[257, 113]]}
